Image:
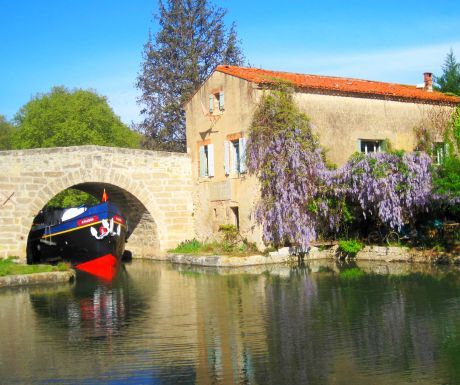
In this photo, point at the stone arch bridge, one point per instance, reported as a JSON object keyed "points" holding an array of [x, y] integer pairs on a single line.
{"points": [[153, 188]]}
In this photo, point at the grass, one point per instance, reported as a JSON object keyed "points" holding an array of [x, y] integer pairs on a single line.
{"points": [[196, 247], [9, 267]]}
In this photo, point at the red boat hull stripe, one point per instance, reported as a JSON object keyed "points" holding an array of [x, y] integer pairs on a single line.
{"points": [[103, 267]]}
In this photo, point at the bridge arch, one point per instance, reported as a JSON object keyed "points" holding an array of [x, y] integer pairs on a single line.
{"points": [[153, 189], [146, 221]]}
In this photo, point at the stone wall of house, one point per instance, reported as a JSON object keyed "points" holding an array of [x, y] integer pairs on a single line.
{"points": [[153, 188], [342, 121]]}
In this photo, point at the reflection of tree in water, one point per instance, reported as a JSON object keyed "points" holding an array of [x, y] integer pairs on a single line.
{"points": [[91, 308], [376, 324]]}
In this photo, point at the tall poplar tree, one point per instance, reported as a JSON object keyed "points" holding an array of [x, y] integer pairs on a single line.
{"points": [[449, 81], [191, 41]]}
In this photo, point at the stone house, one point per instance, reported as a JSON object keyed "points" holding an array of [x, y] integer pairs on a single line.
{"points": [[348, 115]]}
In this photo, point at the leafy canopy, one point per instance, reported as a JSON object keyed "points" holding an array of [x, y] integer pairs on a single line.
{"points": [[70, 118], [6, 132], [449, 81], [72, 198], [192, 40], [447, 175]]}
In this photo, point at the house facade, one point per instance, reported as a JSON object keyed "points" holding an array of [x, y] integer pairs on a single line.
{"points": [[348, 115]]}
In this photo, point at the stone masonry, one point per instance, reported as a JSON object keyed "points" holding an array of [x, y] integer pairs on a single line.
{"points": [[155, 188]]}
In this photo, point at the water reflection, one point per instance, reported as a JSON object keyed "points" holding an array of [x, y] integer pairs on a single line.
{"points": [[162, 324], [92, 308]]}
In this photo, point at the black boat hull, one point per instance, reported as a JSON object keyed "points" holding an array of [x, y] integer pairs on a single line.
{"points": [[91, 239], [77, 246]]}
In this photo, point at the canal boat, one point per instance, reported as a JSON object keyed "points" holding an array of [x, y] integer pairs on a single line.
{"points": [[91, 238]]}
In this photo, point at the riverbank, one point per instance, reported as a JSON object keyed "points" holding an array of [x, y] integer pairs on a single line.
{"points": [[37, 278], [284, 255], [13, 273]]}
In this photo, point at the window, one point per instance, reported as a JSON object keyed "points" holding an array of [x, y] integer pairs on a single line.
{"points": [[367, 146], [207, 160], [217, 102], [234, 156], [439, 152]]}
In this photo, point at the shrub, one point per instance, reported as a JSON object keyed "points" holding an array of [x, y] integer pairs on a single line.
{"points": [[350, 247], [189, 246]]}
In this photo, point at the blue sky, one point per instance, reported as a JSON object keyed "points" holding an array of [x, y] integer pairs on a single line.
{"points": [[98, 44]]}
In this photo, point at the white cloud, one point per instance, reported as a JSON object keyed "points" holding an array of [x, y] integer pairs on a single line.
{"points": [[401, 65]]}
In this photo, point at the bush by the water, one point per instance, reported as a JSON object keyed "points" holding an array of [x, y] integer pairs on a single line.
{"points": [[194, 246], [188, 247], [9, 267], [350, 247]]}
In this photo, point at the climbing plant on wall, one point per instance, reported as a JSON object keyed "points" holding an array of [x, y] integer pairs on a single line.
{"points": [[299, 195], [285, 156]]}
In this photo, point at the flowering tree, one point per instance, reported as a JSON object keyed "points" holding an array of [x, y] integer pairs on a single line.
{"points": [[299, 195], [389, 187], [285, 156]]}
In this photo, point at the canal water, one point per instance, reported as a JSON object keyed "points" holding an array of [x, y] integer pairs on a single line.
{"points": [[161, 324]]}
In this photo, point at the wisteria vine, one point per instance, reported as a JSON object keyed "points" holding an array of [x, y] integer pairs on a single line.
{"points": [[300, 195]]}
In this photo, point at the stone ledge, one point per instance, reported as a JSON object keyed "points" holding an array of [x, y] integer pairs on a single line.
{"points": [[90, 148], [226, 261], [37, 278]]}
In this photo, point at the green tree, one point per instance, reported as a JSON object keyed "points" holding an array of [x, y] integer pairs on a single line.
{"points": [[446, 177], [192, 40], [6, 132], [70, 118], [72, 198], [449, 81]]}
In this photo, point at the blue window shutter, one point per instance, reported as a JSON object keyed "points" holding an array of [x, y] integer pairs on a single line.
{"points": [[203, 162], [227, 157], [211, 103], [210, 160], [221, 101], [242, 150]]}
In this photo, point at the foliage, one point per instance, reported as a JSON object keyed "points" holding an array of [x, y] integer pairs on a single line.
{"points": [[449, 81], [447, 175], [230, 232], [6, 132], [72, 198], [188, 247], [285, 156], [215, 248], [8, 266], [192, 40], [70, 118], [350, 247], [389, 187], [301, 197]]}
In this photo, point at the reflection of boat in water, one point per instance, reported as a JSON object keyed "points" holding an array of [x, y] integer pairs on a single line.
{"points": [[91, 308], [91, 238]]}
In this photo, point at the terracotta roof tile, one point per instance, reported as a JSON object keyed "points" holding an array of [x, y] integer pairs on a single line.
{"points": [[339, 85]]}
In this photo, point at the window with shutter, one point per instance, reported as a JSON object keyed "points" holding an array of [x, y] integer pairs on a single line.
{"points": [[242, 149], [227, 157], [211, 103], [206, 160], [221, 101]]}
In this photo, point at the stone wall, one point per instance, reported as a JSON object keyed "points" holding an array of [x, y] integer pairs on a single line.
{"points": [[155, 187]]}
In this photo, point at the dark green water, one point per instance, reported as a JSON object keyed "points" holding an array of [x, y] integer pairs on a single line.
{"points": [[161, 324]]}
